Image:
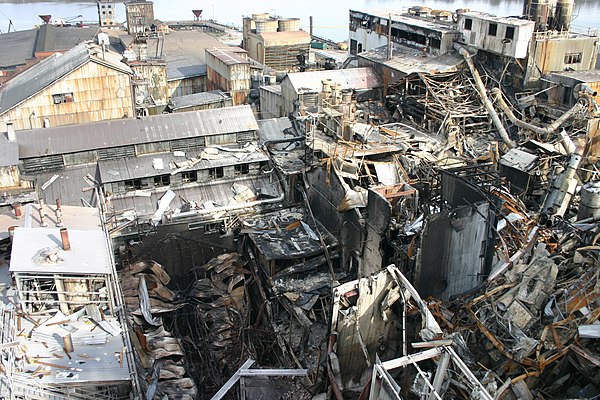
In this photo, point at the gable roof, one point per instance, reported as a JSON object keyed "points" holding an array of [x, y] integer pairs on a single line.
{"points": [[130, 131], [46, 72], [353, 78]]}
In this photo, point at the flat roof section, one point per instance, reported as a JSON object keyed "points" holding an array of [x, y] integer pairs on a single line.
{"points": [[31, 250]]}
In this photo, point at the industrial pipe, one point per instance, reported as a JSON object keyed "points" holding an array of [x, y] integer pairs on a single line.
{"points": [[542, 131], [482, 93]]}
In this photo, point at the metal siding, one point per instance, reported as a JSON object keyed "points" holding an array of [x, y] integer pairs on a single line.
{"points": [[99, 93]]}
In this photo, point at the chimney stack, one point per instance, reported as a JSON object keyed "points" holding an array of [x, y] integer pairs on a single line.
{"points": [[58, 213], [42, 212], [64, 237], [17, 207], [10, 132]]}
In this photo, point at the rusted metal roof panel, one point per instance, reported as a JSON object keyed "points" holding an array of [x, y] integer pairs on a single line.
{"points": [[354, 78], [114, 133]]}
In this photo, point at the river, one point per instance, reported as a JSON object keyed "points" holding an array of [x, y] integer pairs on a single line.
{"points": [[330, 16]]}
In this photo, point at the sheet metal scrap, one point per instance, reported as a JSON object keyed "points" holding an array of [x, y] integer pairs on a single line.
{"points": [[213, 324], [160, 354], [529, 318]]}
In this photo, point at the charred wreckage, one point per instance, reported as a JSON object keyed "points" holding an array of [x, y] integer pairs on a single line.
{"points": [[434, 237]]}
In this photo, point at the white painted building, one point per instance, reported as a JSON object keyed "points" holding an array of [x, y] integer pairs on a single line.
{"points": [[507, 36]]}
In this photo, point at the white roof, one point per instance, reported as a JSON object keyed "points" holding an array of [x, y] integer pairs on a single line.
{"points": [[89, 252]]}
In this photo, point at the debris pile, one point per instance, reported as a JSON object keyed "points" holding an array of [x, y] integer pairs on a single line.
{"points": [[213, 321], [536, 323], [161, 359]]}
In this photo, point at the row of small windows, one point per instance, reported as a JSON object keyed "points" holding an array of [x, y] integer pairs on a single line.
{"points": [[130, 185], [492, 29]]}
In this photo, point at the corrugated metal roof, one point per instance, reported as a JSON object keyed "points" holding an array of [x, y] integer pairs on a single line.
{"points": [[114, 133], [9, 152], [184, 52], [276, 89], [51, 69], [16, 47], [273, 129], [198, 99], [408, 60], [229, 56], [220, 193], [143, 166], [69, 186], [589, 76], [354, 78]]}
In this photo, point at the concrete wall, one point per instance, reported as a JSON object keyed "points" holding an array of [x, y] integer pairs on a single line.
{"points": [[99, 93]]}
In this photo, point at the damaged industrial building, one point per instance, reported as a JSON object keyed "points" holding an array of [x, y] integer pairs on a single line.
{"points": [[422, 224]]}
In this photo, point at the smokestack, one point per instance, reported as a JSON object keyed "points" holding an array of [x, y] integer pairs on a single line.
{"points": [[17, 208], [42, 212], [10, 131], [310, 30], [64, 237], [58, 213]]}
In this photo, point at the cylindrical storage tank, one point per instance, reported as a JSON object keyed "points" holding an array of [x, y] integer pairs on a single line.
{"points": [[261, 16], [420, 11], [289, 24], [564, 14], [266, 25], [442, 15], [539, 12], [589, 204]]}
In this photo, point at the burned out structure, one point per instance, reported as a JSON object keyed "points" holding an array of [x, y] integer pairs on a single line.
{"points": [[65, 287], [437, 242], [200, 163]]}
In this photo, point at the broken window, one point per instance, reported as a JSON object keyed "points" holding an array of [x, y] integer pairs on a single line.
{"points": [[493, 29], [353, 46], [510, 33], [214, 228], [62, 98], [190, 176], [214, 173], [468, 24], [242, 169], [162, 180], [573, 58], [133, 184]]}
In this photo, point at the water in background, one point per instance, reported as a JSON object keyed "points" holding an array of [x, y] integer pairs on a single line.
{"points": [[330, 16]]}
